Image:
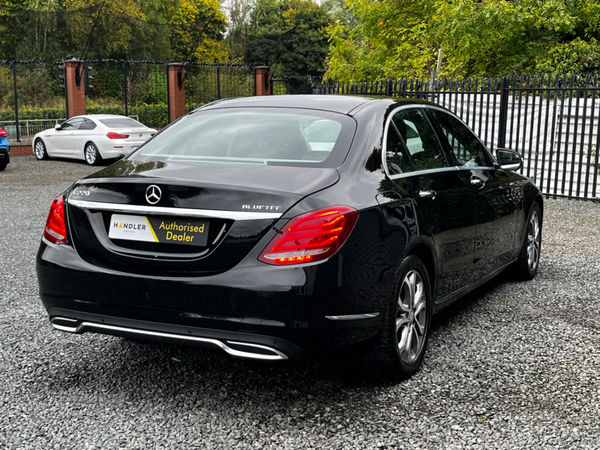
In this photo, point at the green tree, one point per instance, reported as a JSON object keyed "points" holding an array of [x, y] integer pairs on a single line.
{"points": [[484, 37], [114, 21], [289, 35], [196, 31], [239, 24]]}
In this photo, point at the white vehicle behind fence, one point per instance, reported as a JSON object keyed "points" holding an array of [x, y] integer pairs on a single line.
{"points": [[92, 138]]}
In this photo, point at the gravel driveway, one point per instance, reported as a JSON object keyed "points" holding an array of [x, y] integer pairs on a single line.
{"points": [[513, 365]]}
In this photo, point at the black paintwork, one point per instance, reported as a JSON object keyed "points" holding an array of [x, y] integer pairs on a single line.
{"points": [[465, 236]]}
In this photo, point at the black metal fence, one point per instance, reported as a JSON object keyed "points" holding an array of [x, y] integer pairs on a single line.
{"points": [[551, 120], [291, 84], [207, 82], [32, 96]]}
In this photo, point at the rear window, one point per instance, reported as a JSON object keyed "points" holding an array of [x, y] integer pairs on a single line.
{"points": [[121, 122], [255, 136]]}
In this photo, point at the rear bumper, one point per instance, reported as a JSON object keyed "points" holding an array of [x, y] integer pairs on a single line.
{"points": [[259, 312], [117, 148], [244, 345]]}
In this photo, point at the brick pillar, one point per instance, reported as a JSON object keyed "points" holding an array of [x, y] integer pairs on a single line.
{"points": [[75, 94], [262, 76], [175, 90]]}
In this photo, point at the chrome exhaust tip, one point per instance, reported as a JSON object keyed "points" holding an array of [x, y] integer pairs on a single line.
{"points": [[234, 348]]}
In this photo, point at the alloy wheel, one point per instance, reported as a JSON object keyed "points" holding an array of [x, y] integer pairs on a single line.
{"points": [[91, 154], [411, 317], [39, 149], [533, 241]]}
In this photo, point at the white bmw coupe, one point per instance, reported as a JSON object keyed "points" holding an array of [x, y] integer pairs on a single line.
{"points": [[92, 138]]}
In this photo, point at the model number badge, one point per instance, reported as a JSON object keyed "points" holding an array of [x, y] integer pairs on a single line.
{"points": [[262, 207], [80, 192]]}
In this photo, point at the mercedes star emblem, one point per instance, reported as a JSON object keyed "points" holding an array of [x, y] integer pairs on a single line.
{"points": [[153, 194]]}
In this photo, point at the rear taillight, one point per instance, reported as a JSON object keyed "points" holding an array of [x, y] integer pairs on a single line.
{"points": [[113, 135], [311, 237], [3, 133], [56, 229]]}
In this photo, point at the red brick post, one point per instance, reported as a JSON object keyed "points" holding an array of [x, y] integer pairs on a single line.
{"points": [[262, 76], [175, 90], [75, 94]]}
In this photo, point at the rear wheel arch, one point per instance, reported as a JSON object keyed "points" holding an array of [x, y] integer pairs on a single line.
{"points": [[426, 255], [540, 204], [98, 158]]}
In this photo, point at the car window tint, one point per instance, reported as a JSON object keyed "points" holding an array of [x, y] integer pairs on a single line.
{"points": [[420, 139], [467, 149], [121, 122], [87, 125], [396, 158]]}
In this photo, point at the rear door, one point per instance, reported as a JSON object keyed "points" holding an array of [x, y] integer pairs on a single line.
{"points": [[495, 202], [442, 194], [86, 132]]}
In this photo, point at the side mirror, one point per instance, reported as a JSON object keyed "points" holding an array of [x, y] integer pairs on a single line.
{"points": [[509, 159], [57, 126]]}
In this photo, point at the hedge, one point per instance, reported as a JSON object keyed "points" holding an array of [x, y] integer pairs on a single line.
{"points": [[155, 116]]}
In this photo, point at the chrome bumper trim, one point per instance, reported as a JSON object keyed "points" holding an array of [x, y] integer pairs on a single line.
{"points": [[90, 326], [353, 316], [180, 212]]}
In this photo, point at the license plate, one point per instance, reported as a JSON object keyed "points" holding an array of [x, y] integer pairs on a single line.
{"points": [[165, 230]]}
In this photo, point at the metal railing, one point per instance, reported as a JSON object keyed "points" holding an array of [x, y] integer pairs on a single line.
{"points": [[551, 120], [27, 128]]}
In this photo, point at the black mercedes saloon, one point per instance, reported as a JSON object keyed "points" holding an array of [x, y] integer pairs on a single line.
{"points": [[275, 227]]}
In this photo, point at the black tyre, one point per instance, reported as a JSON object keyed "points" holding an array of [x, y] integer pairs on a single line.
{"points": [[39, 150], [3, 163], [526, 267], [91, 154], [399, 350]]}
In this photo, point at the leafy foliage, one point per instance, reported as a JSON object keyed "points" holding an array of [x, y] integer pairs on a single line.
{"points": [[129, 29], [287, 34], [198, 21], [486, 37]]}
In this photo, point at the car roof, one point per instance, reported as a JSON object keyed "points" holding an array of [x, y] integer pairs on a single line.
{"points": [[344, 104], [103, 116]]}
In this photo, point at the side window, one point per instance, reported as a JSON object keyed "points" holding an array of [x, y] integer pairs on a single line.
{"points": [[420, 139], [396, 157], [87, 125], [72, 124], [466, 147]]}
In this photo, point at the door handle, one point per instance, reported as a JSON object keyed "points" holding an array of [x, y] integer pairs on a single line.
{"points": [[427, 194], [477, 182]]}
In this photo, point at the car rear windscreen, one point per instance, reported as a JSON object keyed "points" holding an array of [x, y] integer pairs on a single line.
{"points": [[255, 136], [121, 122]]}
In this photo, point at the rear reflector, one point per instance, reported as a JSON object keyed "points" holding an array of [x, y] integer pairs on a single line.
{"points": [[56, 230], [113, 135], [311, 237]]}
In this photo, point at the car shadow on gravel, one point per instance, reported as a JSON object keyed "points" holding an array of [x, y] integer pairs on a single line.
{"points": [[464, 304]]}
